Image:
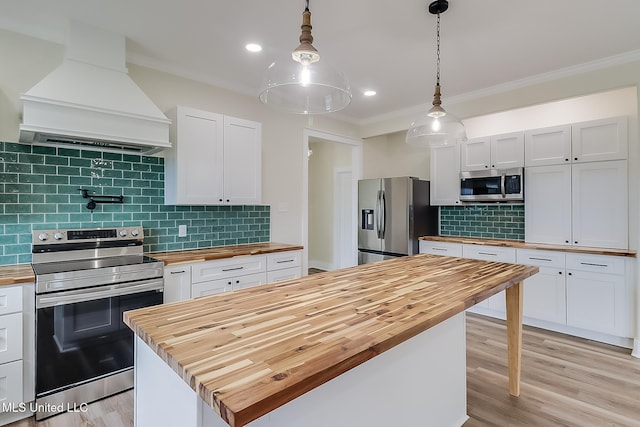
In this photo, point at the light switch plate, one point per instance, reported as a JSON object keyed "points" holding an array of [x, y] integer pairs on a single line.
{"points": [[182, 230]]}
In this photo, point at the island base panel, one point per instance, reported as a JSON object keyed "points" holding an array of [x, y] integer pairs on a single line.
{"points": [[421, 381]]}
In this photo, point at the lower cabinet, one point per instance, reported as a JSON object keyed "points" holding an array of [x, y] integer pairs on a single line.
{"points": [[193, 280], [586, 295]]}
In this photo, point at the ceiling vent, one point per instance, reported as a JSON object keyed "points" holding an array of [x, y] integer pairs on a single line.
{"points": [[90, 100]]}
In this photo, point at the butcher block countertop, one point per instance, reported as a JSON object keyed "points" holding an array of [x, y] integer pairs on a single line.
{"points": [[208, 254], [523, 245], [250, 351], [16, 274]]}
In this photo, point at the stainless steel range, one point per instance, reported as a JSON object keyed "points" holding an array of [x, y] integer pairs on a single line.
{"points": [[85, 280]]}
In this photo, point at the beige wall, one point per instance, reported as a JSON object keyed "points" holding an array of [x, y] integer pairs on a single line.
{"points": [[388, 156], [26, 60], [327, 158]]}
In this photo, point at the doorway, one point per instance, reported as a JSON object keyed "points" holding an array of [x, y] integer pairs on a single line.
{"points": [[332, 167]]}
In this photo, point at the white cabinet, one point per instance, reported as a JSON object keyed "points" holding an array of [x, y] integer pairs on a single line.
{"points": [[495, 152], [599, 140], [583, 204], [284, 266], [598, 297], [600, 204], [14, 349], [547, 146], [445, 175], [547, 216], [177, 283], [496, 303], [11, 386], [441, 248], [214, 160], [545, 292], [212, 277]]}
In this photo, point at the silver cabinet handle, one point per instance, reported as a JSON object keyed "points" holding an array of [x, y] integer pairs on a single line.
{"points": [[593, 264], [283, 261], [440, 249], [487, 253], [233, 269], [541, 259], [178, 272]]}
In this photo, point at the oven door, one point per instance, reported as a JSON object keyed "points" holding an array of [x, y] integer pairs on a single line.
{"points": [[80, 334]]}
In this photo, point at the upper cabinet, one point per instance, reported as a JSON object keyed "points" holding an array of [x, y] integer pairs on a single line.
{"points": [[591, 141], [214, 160], [495, 152], [445, 175]]}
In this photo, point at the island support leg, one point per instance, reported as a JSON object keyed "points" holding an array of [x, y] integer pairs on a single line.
{"points": [[514, 336]]}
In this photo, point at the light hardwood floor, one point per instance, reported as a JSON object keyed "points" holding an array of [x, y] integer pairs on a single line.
{"points": [[566, 381]]}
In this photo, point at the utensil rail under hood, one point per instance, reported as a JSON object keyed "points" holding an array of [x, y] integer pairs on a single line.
{"points": [[91, 100]]}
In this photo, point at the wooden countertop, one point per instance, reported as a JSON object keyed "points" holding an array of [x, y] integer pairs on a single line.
{"points": [[16, 274], [208, 254], [523, 245], [250, 351]]}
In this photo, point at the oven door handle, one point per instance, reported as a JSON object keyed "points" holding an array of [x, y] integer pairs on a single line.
{"points": [[90, 294]]}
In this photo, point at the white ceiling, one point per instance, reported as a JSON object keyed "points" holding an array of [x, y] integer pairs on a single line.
{"points": [[387, 45]]}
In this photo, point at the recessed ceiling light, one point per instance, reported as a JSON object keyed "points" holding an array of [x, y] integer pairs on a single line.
{"points": [[369, 92], [253, 47]]}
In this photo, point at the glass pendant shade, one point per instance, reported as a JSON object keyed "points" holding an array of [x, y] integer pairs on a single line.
{"points": [[296, 87], [302, 83]]}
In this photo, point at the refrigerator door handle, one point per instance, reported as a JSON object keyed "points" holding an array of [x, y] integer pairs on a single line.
{"points": [[383, 219], [378, 231]]}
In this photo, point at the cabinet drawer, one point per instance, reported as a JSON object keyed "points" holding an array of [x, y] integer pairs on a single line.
{"points": [[596, 263], [284, 274], [11, 383], [213, 287], [440, 248], [10, 299], [232, 267], [538, 258], [489, 253], [281, 260], [10, 337], [248, 281]]}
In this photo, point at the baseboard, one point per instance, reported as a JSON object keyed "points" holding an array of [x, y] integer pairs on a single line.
{"points": [[321, 265]]}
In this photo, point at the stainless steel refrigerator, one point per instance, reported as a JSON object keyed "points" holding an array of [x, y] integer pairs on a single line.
{"points": [[393, 214]]}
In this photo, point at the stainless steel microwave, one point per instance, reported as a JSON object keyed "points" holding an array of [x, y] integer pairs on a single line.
{"points": [[492, 185]]}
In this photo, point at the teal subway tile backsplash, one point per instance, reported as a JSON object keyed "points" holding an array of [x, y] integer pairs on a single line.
{"points": [[504, 221], [39, 189]]}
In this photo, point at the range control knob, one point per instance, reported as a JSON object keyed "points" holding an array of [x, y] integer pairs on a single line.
{"points": [[134, 232], [42, 236], [123, 233], [57, 236]]}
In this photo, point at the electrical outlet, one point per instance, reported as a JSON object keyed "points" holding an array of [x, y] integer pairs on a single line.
{"points": [[182, 230]]}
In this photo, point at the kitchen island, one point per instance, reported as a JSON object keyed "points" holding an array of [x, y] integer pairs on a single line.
{"points": [[369, 345]]}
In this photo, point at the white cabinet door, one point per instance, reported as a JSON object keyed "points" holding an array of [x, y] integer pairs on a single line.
{"points": [[507, 150], [440, 248], [597, 302], [547, 209], [475, 154], [599, 140], [599, 199], [284, 274], [10, 299], [445, 175], [547, 146], [11, 387], [10, 337], [242, 162], [194, 165], [282, 260], [177, 283], [212, 287], [249, 281]]}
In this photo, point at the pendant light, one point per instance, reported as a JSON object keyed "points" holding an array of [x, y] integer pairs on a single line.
{"points": [[436, 126], [302, 83]]}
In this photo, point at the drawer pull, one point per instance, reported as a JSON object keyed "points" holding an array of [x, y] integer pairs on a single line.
{"points": [[594, 265], [283, 261], [487, 253], [233, 269], [179, 272], [540, 259], [440, 249]]}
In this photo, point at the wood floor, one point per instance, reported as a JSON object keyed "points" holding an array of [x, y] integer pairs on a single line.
{"points": [[566, 381]]}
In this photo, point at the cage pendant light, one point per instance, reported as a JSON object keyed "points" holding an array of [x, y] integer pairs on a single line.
{"points": [[302, 83], [436, 126]]}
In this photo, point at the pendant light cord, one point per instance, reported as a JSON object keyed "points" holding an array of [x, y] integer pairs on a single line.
{"points": [[307, 7], [437, 50]]}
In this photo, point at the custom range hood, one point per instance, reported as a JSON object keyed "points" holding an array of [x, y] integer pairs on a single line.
{"points": [[90, 100]]}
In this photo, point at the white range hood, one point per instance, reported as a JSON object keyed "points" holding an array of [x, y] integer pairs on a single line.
{"points": [[90, 99]]}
